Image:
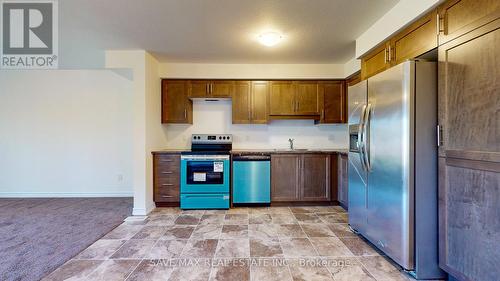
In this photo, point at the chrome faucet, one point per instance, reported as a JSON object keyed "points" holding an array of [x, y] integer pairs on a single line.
{"points": [[291, 143]]}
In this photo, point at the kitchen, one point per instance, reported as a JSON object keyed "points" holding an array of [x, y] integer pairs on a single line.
{"points": [[266, 152]]}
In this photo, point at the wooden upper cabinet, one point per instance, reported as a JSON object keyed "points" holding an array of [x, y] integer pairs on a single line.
{"points": [[250, 102], [315, 177], [375, 61], [415, 40], [198, 88], [461, 16], [285, 174], [221, 89], [176, 106], [333, 98], [282, 98], [259, 100], [208, 88], [241, 102], [307, 98]]}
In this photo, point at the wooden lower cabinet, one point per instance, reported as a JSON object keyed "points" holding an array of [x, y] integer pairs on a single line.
{"points": [[342, 180], [285, 177], [166, 178], [300, 177], [315, 177], [469, 156]]}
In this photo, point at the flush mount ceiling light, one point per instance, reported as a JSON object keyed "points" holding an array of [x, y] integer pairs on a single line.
{"points": [[269, 39]]}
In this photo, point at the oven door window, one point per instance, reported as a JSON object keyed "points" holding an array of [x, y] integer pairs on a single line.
{"points": [[205, 172]]}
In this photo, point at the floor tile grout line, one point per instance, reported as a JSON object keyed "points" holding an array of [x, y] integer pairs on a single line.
{"points": [[130, 274]]}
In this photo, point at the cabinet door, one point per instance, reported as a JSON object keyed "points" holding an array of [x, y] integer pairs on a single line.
{"points": [[376, 61], [343, 180], [285, 177], [166, 177], [282, 98], [307, 98], [176, 106], [417, 39], [461, 16], [469, 157], [260, 94], [221, 89], [241, 102], [199, 88], [334, 102], [315, 177]]}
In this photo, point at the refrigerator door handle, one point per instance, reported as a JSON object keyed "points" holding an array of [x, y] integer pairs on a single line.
{"points": [[361, 137], [366, 149]]}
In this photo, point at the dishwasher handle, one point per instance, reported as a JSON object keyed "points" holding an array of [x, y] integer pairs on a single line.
{"points": [[252, 158]]}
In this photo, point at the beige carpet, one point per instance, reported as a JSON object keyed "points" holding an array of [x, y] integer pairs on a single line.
{"points": [[39, 235]]}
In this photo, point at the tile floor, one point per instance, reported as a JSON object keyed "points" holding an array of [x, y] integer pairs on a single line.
{"points": [[267, 243]]}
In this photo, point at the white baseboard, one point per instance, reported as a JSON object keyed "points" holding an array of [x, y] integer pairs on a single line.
{"points": [[64, 194], [143, 211]]}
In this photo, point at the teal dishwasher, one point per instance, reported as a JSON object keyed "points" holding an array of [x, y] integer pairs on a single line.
{"points": [[251, 179]]}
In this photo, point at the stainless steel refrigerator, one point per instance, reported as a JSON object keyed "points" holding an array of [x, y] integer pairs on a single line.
{"points": [[393, 165]]}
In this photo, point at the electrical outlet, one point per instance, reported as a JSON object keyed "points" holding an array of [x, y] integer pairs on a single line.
{"points": [[119, 177]]}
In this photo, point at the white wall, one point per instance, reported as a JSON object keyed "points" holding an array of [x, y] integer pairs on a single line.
{"points": [[251, 71], [65, 133], [215, 117], [402, 14], [148, 132]]}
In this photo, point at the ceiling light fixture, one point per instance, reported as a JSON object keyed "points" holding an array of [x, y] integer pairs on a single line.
{"points": [[269, 39]]}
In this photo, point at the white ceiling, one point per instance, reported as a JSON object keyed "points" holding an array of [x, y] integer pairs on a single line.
{"points": [[221, 31]]}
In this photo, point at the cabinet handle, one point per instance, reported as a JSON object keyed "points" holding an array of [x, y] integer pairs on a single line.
{"points": [[167, 196], [385, 55], [166, 172], [390, 54], [167, 184], [206, 89], [211, 88], [185, 113], [168, 160]]}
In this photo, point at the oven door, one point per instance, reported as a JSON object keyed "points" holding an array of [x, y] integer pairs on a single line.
{"points": [[205, 174]]}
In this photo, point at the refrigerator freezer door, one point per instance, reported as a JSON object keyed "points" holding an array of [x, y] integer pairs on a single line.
{"points": [[356, 99], [390, 149], [357, 175]]}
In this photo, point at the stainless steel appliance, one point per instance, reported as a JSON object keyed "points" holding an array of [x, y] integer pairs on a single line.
{"points": [[205, 172], [251, 179], [393, 165]]}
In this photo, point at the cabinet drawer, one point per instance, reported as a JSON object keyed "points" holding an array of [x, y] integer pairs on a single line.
{"points": [[168, 180], [167, 163], [166, 194]]}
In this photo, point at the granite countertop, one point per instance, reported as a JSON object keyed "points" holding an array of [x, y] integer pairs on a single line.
{"points": [[261, 151], [170, 151], [286, 151]]}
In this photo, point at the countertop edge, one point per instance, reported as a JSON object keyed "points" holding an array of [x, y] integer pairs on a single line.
{"points": [[257, 151]]}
